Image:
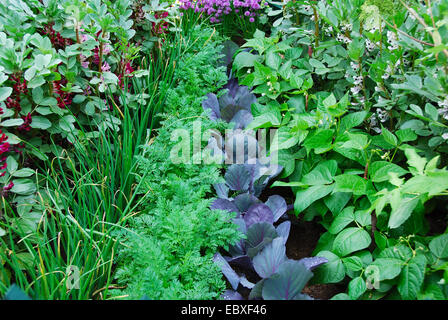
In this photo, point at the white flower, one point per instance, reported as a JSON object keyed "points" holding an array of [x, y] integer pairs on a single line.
{"points": [[342, 38], [354, 65], [358, 79], [355, 90], [249, 71], [307, 8], [370, 45], [445, 136], [443, 103], [382, 115], [392, 40]]}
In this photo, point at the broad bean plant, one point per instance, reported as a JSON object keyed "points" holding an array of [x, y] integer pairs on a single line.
{"points": [[358, 93]]}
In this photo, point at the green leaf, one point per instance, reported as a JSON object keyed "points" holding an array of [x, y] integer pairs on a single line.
{"points": [[432, 184], [342, 220], [356, 288], [285, 139], [40, 123], [22, 173], [388, 268], [415, 161], [405, 135], [23, 187], [350, 183], [38, 95], [49, 101], [352, 120], [5, 92], [273, 60], [245, 59], [12, 123], [341, 296], [331, 272], [316, 64], [439, 246], [320, 141], [379, 171], [356, 49], [296, 80], [351, 240], [401, 252], [389, 137], [402, 210], [411, 278], [353, 263], [266, 120], [323, 173], [11, 164], [305, 198]]}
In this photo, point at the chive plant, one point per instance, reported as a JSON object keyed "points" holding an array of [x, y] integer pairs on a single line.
{"points": [[87, 193]]}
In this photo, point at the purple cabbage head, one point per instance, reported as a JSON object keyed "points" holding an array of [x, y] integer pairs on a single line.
{"points": [[251, 178], [234, 106], [262, 253]]}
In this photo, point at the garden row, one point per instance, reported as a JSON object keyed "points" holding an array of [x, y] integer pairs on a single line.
{"points": [[115, 172]]}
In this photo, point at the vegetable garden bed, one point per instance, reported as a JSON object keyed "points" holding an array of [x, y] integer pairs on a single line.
{"points": [[199, 150]]}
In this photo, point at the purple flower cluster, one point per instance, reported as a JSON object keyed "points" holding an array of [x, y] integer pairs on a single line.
{"points": [[218, 8]]}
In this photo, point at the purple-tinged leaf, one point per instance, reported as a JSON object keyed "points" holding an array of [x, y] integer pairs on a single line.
{"points": [[227, 270], [230, 110], [212, 103], [237, 178], [232, 85], [244, 201], [246, 283], [264, 174], [258, 213], [313, 262], [242, 119], [268, 261], [288, 282], [278, 206], [239, 248], [231, 295], [283, 230], [242, 262], [257, 291], [229, 49], [221, 190], [245, 99], [240, 147], [258, 236], [224, 204]]}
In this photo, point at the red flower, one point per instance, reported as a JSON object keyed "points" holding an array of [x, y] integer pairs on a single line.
{"points": [[6, 189], [64, 98], [4, 147], [27, 121], [56, 39]]}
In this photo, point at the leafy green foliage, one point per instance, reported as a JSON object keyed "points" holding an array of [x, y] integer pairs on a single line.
{"points": [[167, 252], [357, 89]]}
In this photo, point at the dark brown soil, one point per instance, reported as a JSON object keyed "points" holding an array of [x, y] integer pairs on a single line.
{"points": [[301, 243], [302, 240], [438, 216], [238, 40]]}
